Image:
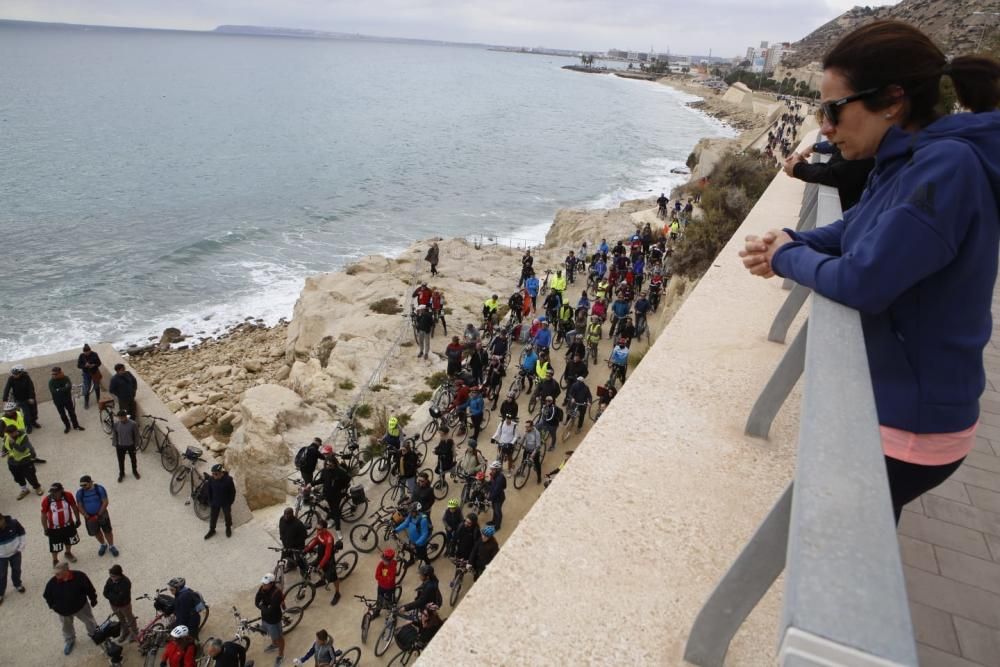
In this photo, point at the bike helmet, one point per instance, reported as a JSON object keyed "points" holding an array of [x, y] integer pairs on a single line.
{"points": [[453, 503], [177, 582], [179, 631], [389, 554], [217, 468], [472, 444], [9, 406], [435, 412], [17, 368], [489, 531], [496, 465], [267, 579], [416, 508], [581, 379], [426, 570], [326, 450], [480, 476]]}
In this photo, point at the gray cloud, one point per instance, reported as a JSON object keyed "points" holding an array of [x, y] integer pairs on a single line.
{"points": [[726, 27]]}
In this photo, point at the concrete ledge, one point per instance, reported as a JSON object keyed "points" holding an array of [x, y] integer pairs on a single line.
{"points": [[615, 559]]}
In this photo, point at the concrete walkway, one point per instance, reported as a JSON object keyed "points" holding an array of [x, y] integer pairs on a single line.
{"points": [[950, 542]]}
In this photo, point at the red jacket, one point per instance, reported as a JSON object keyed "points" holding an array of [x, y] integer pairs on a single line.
{"points": [[326, 539], [423, 297], [385, 574], [175, 656]]}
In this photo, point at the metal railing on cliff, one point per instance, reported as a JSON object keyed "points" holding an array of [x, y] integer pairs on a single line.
{"points": [[832, 530]]}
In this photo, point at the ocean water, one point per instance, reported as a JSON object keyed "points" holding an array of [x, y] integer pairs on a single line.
{"points": [[152, 179]]}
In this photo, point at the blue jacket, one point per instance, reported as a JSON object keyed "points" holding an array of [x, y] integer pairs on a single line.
{"points": [[600, 267], [917, 256], [543, 338], [418, 530], [620, 308], [475, 404], [529, 361], [638, 266], [531, 284]]}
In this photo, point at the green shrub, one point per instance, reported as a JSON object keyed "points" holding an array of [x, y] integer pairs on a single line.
{"points": [[422, 397], [446, 311], [387, 306], [372, 450], [403, 419], [224, 429], [346, 385], [378, 387], [437, 379], [363, 411]]}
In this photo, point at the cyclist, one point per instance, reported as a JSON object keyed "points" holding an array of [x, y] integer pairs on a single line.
{"points": [[385, 579], [429, 590], [293, 534], [528, 369], [661, 206], [495, 374], [531, 443], [424, 494], [642, 307], [454, 353], [327, 563], [509, 406], [499, 345], [638, 267], [490, 308], [186, 605], [531, 286], [599, 309], [180, 650], [477, 410], [527, 267], [598, 269], [542, 366], [484, 551], [579, 393], [459, 402], [504, 438], [655, 288], [409, 462], [336, 480], [322, 649], [437, 309], [594, 332], [551, 304], [226, 654], [270, 601], [543, 339], [516, 303], [307, 460], [619, 311], [570, 264], [473, 460], [466, 536], [577, 348], [444, 451], [452, 519], [550, 416], [559, 284], [583, 301], [418, 529], [618, 359], [470, 336], [497, 492], [548, 387], [626, 330]]}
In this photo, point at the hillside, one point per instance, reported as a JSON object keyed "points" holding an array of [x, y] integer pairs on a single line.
{"points": [[949, 22]]}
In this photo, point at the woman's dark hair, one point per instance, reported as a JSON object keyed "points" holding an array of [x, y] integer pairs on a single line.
{"points": [[322, 635], [886, 53]]}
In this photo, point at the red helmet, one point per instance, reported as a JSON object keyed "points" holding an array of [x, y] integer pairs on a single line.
{"points": [[389, 554], [326, 450], [480, 475]]}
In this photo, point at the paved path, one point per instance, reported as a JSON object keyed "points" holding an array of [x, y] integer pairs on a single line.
{"points": [[950, 541]]}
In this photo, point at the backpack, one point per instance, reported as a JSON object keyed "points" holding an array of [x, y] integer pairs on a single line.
{"points": [[300, 457], [200, 606]]}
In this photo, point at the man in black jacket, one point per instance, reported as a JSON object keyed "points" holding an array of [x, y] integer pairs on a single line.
{"points": [[21, 390], [848, 176], [221, 495], [270, 601], [466, 536], [226, 654], [309, 460], [425, 323], [428, 591], [336, 481], [68, 593], [186, 603], [293, 533], [89, 364], [123, 387], [118, 593]]}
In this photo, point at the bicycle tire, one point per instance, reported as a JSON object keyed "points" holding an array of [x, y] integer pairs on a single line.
{"points": [[152, 658], [178, 480], [419, 446], [308, 519], [366, 624], [570, 428], [595, 411], [144, 438], [440, 488], [435, 545], [456, 589], [380, 470], [351, 512], [557, 342], [152, 639], [487, 415], [201, 510], [349, 658], [290, 619], [385, 637], [204, 618], [169, 458], [430, 430], [391, 496], [403, 658], [402, 567], [301, 594], [245, 641], [533, 403], [364, 538], [346, 563], [515, 388], [521, 474], [107, 420]]}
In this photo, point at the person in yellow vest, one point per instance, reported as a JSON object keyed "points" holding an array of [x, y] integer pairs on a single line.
{"points": [[675, 229], [559, 285], [542, 366], [12, 417], [490, 307], [21, 460]]}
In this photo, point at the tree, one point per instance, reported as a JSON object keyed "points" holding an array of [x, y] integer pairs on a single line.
{"points": [[587, 59]]}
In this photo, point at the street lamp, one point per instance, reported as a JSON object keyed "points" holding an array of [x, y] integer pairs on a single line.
{"points": [[985, 25]]}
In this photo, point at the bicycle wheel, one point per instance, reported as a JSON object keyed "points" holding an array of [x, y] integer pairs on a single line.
{"points": [[308, 519], [144, 438], [202, 510], [351, 512], [435, 545], [403, 658], [152, 658], [521, 474], [366, 624], [392, 496], [546, 439], [596, 408], [557, 342], [349, 658], [380, 470], [570, 428], [301, 594], [385, 637], [456, 589], [419, 446], [515, 388], [204, 617], [364, 538], [401, 568], [107, 420], [152, 639], [533, 404], [178, 479], [441, 488], [169, 458], [346, 563], [429, 431], [487, 415], [290, 618]]}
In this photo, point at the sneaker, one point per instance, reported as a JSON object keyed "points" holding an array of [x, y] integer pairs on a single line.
{"points": [[229, 531], [103, 549], [278, 661], [114, 551], [79, 428], [20, 589], [68, 648], [39, 492], [209, 534], [120, 478], [36, 425], [271, 648], [335, 600], [135, 473], [66, 429], [23, 493]]}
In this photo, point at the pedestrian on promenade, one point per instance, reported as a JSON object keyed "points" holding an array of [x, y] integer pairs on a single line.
{"points": [[70, 594], [917, 256], [60, 519], [425, 322], [89, 364], [118, 593], [21, 460], [21, 390], [221, 495], [432, 257], [61, 388], [125, 438], [12, 541], [123, 387], [92, 499]]}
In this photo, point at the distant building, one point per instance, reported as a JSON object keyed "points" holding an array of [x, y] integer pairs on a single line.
{"points": [[773, 58], [751, 53], [617, 53]]}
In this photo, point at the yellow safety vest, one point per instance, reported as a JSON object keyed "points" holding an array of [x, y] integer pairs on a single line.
{"points": [[491, 305], [541, 369], [15, 448], [559, 283], [18, 422]]}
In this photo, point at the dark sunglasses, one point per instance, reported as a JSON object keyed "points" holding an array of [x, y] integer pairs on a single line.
{"points": [[831, 110]]}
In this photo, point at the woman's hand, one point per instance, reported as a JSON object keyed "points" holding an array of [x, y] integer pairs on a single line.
{"points": [[758, 251]]}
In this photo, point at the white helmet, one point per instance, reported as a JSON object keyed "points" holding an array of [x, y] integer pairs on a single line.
{"points": [[496, 465], [179, 631], [9, 406], [267, 579], [17, 368]]}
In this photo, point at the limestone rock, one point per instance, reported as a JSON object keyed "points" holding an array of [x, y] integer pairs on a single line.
{"points": [[183, 382], [216, 397], [170, 335], [282, 373], [193, 416], [219, 371], [175, 406], [311, 381], [253, 366], [195, 399]]}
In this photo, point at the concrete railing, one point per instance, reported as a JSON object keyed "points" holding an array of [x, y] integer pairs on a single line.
{"points": [[832, 529]]}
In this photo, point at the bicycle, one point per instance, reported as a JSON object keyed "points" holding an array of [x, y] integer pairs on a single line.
{"points": [[462, 568], [572, 425], [304, 592], [104, 636], [598, 407], [185, 471], [642, 328], [617, 371], [404, 657], [168, 453], [290, 619], [153, 636], [385, 637], [527, 464], [106, 414]]}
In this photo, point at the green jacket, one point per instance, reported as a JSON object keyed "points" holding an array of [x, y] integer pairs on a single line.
{"points": [[61, 389]]}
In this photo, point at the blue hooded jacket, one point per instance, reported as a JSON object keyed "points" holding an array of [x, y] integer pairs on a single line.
{"points": [[917, 256]]}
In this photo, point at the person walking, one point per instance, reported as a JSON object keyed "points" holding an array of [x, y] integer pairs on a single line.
{"points": [[12, 541], [226, 654], [432, 257], [70, 594], [89, 364], [61, 389], [125, 437], [498, 492], [21, 389], [118, 593], [425, 322], [307, 458], [270, 601], [221, 496], [123, 387], [21, 460], [336, 479], [60, 519], [92, 499]]}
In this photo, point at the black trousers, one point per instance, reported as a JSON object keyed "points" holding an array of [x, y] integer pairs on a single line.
{"points": [[121, 452], [909, 481], [67, 412], [213, 519]]}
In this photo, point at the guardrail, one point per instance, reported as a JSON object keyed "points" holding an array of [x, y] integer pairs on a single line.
{"points": [[485, 239], [845, 599]]}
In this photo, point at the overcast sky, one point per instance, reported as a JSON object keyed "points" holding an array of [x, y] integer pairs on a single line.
{"points": [[689, 26]]}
